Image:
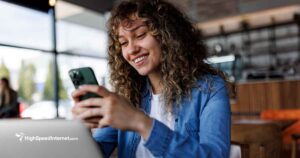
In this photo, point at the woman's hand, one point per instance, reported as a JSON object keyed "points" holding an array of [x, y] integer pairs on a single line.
{"points": [[76, 110], [110, 110]]}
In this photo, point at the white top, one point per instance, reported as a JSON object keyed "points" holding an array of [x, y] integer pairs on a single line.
{"points": [[159, 113]]}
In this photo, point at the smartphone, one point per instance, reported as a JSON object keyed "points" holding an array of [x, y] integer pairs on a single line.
{"points": [[84, 76]]}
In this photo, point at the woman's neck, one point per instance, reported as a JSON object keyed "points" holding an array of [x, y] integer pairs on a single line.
{"points": [[155, 83]]}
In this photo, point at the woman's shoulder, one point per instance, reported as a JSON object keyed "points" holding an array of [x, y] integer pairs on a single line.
{"points": [[210, 82]]}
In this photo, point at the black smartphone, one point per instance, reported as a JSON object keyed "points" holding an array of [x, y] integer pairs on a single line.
{"points": [[84, 76]]}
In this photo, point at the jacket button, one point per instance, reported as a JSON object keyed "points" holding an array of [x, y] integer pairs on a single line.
{"points": [[176, 120]]}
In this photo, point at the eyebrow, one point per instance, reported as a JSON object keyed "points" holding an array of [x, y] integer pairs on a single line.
{"points": [[133, 29]]}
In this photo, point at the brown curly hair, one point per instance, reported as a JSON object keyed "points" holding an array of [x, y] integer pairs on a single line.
{"points": [[183, 51]]}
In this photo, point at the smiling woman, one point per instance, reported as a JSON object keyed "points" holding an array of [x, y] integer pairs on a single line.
{"points": [[139, 48], [166, 101]]}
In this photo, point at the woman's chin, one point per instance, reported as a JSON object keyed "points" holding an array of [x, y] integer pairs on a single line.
{"points": [[143, 73]]}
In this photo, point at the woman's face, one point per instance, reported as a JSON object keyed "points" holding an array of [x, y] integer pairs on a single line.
{"points": [[139, 48]]}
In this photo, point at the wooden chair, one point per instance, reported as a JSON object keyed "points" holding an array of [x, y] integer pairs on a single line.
{"points": [[257, 139], [284, 114], [295, 138], [245, 153]]}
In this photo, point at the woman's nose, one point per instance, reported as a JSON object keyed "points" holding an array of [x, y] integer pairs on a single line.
{"points": [[133, 48]]}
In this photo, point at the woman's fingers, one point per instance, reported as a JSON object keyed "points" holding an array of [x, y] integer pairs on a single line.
{"points": [[90, 122], [91, 125], [76, 110], [90, 113], [94, 120], [100, 90], [76, 95], [92, 102], [89, 110], [110, 110], [103, 123]]}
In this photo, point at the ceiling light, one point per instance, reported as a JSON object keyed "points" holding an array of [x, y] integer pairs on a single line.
{"points": [[52, 3], [221, 59]]}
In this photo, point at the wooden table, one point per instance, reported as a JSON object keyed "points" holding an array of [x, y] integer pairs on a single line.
{"points": [[282, 124], [263, 136]]}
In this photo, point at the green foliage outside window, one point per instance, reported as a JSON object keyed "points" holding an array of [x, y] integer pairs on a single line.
{"points": [[4, 72], [48, 93], [26, 81]]}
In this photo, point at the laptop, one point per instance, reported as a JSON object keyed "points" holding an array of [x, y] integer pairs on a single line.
{"points": [[46, 139]]}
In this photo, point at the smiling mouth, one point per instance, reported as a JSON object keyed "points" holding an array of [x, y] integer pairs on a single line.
{"points": [[139, 59]]}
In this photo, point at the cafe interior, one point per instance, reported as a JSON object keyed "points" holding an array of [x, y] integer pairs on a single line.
{"points": [[255, 42]]}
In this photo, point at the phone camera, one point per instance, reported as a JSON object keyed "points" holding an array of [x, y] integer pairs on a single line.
{"points": [[76, 77]]}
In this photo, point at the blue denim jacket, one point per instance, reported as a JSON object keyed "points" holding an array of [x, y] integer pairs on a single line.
{"points": [[202, 127]]}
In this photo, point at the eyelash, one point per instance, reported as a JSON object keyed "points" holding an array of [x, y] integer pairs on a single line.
{"points": [[141, 36], [122, 44]]}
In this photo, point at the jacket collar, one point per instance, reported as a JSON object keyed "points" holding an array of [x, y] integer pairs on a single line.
{"points": [[147, 88]]}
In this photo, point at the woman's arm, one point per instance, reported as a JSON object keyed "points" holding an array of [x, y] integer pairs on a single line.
{"points": [[116, 112], [107, 138], [214, 134]]}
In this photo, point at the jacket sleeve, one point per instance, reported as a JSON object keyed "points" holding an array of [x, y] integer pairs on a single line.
{"points": [[107, 139], [214, 133]]}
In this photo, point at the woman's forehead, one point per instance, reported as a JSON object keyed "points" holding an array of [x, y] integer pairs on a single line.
{"points": [[130, 25], [131, 22]]}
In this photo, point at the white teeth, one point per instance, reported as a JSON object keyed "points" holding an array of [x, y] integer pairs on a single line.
{"points": [[139, 59]]}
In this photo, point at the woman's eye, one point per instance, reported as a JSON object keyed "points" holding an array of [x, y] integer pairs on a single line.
{"points": [[123, 43], [141, 35]]}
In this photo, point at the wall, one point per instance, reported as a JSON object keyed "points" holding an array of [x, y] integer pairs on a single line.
{"points": [[255, 97], [203, 10]]}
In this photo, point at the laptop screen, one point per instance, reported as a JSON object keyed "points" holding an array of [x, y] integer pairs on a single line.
{"points": [[46, 139]]}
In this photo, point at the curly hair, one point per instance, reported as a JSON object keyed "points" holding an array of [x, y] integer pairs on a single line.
{"points": [[183, 51]]}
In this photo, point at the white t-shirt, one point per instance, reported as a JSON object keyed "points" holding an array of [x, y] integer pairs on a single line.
{"points": [[159, 113]]}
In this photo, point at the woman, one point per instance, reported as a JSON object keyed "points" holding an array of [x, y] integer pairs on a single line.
{"points": [[8, 100], [167, 102]]}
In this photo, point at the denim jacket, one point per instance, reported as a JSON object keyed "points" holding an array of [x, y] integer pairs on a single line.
{"points": [[202, 127]]}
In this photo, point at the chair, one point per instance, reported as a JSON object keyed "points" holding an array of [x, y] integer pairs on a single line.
{"points": [[257, 139], [245, 153], [295, 138], [284, 114]]}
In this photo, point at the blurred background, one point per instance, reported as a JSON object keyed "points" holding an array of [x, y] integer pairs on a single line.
{"points": [[251, 40], [256, 42], [40, 43]]}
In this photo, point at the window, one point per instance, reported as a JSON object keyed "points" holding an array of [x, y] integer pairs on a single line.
{"points": [[27, 56], [27, 71], [25, 27]]}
